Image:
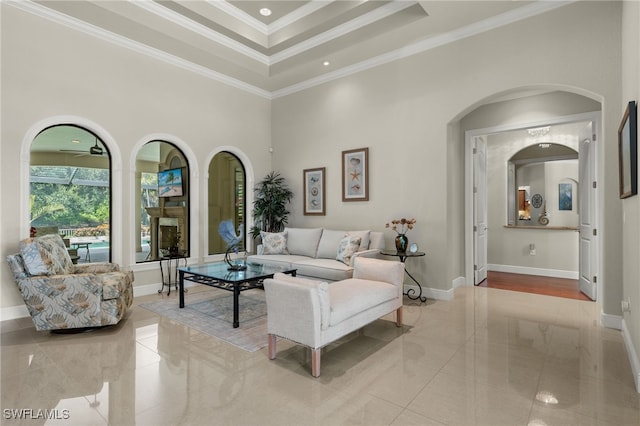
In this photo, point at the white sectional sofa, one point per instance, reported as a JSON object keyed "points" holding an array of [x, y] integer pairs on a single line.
{"points": [[314, 252]]}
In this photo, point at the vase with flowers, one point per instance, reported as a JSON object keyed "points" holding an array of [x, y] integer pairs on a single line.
{"points": [[401, 226]]}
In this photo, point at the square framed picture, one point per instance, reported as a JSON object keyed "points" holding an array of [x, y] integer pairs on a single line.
{"points": [[314, 194], [355, 175]]}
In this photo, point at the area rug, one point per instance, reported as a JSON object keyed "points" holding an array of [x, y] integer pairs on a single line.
{"points": [[211, 312]]}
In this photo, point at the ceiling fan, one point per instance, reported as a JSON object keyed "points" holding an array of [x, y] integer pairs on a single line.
{"points": [[94, 150]]}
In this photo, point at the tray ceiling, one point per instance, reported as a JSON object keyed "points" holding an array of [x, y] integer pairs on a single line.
{"points": [[302, 43]]}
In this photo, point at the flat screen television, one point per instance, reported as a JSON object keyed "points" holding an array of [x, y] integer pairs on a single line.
{"points": [[170, 183]]}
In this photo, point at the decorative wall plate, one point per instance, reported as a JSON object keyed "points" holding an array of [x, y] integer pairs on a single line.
{"points": [[536, 201]]}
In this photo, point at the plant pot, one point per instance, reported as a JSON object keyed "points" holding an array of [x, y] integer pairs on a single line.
{"points": [[402, 242]]}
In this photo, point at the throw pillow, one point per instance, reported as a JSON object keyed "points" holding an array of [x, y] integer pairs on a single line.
{"points": [[364, 235], [32, 259], [348, 246], [274, 242]]}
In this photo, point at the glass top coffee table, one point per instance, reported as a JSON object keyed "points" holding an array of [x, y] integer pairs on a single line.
{"points": [[219, 276]]}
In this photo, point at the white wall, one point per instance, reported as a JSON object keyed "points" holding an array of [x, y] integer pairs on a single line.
{"points": [[49, 70], [407, 113]]}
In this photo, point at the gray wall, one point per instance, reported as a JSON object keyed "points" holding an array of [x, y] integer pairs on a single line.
{"points": [[408, 113], [631, 206], [49, 70]]}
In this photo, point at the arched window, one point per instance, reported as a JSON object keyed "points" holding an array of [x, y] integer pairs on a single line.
{"points": [[70, 190], [162, 176], [227, 199]]}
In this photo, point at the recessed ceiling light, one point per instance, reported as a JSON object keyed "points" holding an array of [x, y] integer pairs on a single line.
{"points": [[75, 141], [265, 11], [326, 63]]}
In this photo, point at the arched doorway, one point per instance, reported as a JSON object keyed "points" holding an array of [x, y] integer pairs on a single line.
{"points": [[533, 250]]}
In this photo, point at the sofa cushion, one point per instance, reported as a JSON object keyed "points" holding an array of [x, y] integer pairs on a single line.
{"points": [[274, 242], [376, 240], [329, 243], [348, 246], [326, 269], [303, 241], [353, 296], [364, 235], [46, 255], [278, 260]]}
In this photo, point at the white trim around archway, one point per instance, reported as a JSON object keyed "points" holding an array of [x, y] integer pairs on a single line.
{"points": [[116, 174], [595, 117], [194, 196], [249, 196]]}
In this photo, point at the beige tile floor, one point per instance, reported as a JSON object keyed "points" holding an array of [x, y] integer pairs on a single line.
{"points": [[489, 357]]}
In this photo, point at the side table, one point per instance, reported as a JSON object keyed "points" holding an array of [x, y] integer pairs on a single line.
{"points": [[403, 257], [169, 265]]}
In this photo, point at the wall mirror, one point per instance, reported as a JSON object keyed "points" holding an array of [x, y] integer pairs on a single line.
{"points": [[543, 186]]}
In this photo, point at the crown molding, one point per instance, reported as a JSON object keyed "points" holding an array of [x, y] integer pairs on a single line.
{"points": [[488, 24], [527, 11], [278, 24], [108, 36], [350, 26], [176, 18], [301, 12]]}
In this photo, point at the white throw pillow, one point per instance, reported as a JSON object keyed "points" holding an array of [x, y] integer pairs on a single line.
{"points": [[364, 235], [274, 242], [348, 246]]}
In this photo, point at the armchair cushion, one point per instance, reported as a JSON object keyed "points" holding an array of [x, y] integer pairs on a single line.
{"points": [[358, 296]]}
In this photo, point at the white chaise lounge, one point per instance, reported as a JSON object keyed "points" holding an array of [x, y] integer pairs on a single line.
{"points": [[315, 313]]}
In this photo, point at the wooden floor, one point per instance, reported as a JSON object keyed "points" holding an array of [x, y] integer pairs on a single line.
{"points": [[559, 287]]}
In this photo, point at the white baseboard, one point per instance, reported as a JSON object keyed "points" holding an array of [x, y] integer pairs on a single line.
{"points": [[13, 312], [430, 293], [460, 282], [611, 321], [632, 354], [544, 272]]}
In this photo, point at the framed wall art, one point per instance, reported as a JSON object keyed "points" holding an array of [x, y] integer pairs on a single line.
{"points": [[627, 152], [565, 196], [355, 175], [314, 194]]}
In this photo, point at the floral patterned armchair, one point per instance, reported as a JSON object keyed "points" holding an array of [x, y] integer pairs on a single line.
{"points": [[61, 295]]}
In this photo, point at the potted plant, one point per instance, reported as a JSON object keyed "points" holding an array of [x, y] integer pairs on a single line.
{"points": [[270, 213]]}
